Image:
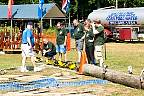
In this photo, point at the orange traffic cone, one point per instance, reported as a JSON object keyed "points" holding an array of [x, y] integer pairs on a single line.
{"points": [[83, 61], [68, 47]]}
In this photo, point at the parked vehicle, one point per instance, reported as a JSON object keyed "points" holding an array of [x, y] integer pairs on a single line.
{"points": [[122, 23]]}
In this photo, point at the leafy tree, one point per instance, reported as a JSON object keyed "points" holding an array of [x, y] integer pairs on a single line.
{"points": [[138, 3]]}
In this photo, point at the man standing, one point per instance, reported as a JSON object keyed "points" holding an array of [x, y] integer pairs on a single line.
{"points": [[89, 42], [27, 47], [49, 49], [99, 41], [79, 36], [61, 41]]}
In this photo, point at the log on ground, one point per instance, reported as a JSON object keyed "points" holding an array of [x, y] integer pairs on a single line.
{"points": [[113, 76]]}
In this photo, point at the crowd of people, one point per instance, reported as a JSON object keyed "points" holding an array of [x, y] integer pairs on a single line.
{"points": [[89, 36]]}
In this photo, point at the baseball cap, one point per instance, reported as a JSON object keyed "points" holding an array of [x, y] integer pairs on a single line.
{"points": [[30, 23]]}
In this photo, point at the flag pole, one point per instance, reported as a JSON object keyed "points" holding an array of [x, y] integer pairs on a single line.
{"points": [[41, 25], [11, 30], [69, 22]]}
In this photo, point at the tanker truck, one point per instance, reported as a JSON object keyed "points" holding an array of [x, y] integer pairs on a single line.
{"points": [[122, 23]]}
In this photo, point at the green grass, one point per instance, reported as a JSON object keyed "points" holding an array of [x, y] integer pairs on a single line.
{"points": [[10, 60], [119, 57]]}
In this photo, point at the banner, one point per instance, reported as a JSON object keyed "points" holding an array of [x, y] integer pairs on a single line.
{"points": [[40, 9]]}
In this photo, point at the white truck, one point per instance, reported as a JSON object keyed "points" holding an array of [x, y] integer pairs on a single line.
{"points": [[121, 23]]}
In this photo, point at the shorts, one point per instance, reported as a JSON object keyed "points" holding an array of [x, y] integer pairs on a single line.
{"points": [[99, 51], [79, 44], [61, 48], [26, 51]]}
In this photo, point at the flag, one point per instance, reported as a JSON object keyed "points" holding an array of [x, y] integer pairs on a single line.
{"points": [[40, 9], [65, 5], [10, 3]]}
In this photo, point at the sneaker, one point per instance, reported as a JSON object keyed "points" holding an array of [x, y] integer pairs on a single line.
{"points": [[23, 69], [37, 69]]}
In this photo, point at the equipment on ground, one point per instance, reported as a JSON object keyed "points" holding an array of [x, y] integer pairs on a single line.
{"points": [[38, 59], [69, 64]]}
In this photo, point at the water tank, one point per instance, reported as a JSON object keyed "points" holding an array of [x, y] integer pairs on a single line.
{"points": [[121, 16]]}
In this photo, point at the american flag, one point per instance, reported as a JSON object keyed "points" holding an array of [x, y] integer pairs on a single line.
{"points": [[65, 5]]}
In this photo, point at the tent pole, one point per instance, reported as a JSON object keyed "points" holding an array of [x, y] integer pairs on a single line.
{"points": [[50, 22]]}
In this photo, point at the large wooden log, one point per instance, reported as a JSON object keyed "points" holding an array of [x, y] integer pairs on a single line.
{"points": [[114, 76]]}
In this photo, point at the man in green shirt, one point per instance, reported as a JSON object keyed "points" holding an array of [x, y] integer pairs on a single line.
{"points": [[79, 37], [61, 41], [99, 41], [89, 42], [49, 49]]}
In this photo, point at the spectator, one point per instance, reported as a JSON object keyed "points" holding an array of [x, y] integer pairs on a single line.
{"points": [[79, 37], [49, 49], [99, 41], [89, 42], [61, 41]]}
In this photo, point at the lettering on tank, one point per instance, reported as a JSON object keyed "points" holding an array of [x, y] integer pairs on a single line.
{"points": [[122, 18]]}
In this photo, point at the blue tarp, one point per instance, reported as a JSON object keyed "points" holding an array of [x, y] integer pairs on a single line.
{"points": [[46, 83]]}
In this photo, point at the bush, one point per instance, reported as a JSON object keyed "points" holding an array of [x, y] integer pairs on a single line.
{"points": [[49, 31], [15, 29], [1, 29]]}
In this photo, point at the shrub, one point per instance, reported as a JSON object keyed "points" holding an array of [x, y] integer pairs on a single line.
{"points": [[50, 31]]}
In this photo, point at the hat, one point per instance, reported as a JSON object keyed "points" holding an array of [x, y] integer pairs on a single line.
{"points": [[30, 23]]}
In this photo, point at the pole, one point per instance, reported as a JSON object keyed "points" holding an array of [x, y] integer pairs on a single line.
{"points": [[116, 4], [105, 51], [41, 25], [69, 25], [50, 22], [11, 31], [41, 17]]}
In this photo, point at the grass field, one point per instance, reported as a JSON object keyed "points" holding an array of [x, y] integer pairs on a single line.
{"points": [[122, 55], [119, 57]]}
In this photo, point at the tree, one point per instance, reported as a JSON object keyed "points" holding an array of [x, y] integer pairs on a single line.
{"points": [[127, 3], [138, 3]]}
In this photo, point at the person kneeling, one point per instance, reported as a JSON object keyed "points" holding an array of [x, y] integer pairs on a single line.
{"points": [[49, 49]]}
